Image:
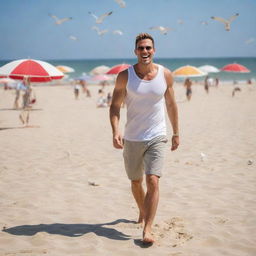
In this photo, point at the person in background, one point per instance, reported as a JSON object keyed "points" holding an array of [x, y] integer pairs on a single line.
{"points": [[217, 81], [102, 100], [29, 98], [77, 88], [19, 86], [85, 88], [109, 98], [206, 84], [188, 86]]}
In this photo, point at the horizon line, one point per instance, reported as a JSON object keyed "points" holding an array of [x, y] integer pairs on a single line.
{"points": [[129, 58]]}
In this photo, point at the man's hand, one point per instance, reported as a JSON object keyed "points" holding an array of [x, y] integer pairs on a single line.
{"points": [[175, 142], [118, 141]]}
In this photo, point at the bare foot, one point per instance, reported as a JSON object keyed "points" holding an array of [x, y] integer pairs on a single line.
{"points": [[148, 238]]}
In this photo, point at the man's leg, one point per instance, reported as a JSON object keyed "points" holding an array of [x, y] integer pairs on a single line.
{"points": [[150, 206], [139, 196]]}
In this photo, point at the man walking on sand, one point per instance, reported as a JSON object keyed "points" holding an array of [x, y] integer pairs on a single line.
{"points": [[145, 87]]}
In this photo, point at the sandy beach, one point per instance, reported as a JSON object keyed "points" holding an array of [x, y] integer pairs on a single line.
{"points": [[64, 191]]}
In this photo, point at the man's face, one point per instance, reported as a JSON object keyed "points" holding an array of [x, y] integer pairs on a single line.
{"points": [[145, 51]]}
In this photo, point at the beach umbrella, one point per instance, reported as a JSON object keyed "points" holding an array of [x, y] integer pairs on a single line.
{"points": [[236, 68], [65, 69], [100, 78], [83, 77], [188, 71], [99, 70], [7, 81], [38, 71], [209, 69], [117, 69]]}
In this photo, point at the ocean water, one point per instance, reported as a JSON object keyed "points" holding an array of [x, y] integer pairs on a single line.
{"points": [[86, 65]]}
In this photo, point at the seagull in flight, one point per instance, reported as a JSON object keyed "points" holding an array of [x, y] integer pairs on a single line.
{"points": [[226, 22], [100, 19], [249, 41], [59, 21], [204, 22], [118, 32], [121, 3], [163, 30], [181, 22], [72, 38], [100, 32]]}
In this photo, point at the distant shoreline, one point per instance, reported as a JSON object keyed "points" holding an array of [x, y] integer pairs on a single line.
{"points": [[131, 59]]}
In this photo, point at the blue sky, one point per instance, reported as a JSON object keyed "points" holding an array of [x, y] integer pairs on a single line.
{"points": [[27, 30]]}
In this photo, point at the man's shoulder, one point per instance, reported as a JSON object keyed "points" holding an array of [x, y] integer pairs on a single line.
{"points": [[167, 73], [168, 76], [166, 70], [122, 78], [123, 74]]}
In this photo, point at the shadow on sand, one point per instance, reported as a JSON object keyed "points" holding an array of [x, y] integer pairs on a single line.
{"points": [[19, 127], [19, 109], [141, 244], [72, 230]]}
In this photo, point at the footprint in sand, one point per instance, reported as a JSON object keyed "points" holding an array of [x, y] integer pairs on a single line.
{"points": [[221, 220], [172, 232]]}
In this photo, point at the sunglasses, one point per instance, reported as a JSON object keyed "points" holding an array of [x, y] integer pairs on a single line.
{"points": [[141, 48]]}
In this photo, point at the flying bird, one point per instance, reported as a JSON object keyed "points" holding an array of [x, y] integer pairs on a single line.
{"points": [[100, 18], [121, 3], [100, 32], [204, 22], [226, 22], [249, 41], [181, 22], [163, 30], [73, 38], [59, 21], [118, 32]]}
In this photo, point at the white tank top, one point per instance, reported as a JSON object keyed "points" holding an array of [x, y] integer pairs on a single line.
{"points": [[145, 106]]}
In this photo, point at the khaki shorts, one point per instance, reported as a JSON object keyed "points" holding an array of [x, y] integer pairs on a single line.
{"points": [[144, 157]]}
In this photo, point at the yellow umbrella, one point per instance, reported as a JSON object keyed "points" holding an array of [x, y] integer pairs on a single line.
{"points": [[65, 69], [188, 71]]}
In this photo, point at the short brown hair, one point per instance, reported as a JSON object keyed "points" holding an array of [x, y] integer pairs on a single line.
{"points": [[143, 36]]}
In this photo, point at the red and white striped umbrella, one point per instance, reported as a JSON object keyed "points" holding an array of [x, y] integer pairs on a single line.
{"points": [[118, 68], [37, 70]]}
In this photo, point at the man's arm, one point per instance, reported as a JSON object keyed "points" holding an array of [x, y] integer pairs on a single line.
{"points": [[114, 112], [172, 109]]}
